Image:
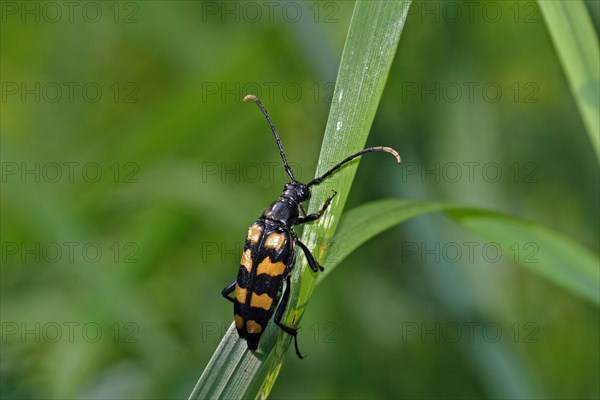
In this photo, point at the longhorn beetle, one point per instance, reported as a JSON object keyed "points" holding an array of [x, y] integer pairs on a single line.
{"points": [[269, 255]]}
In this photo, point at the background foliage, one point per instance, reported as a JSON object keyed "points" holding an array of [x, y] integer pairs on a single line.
{"points": [[477, 103]]}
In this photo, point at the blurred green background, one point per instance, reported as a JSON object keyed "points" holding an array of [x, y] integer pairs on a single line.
{"points": [[131, 170]]}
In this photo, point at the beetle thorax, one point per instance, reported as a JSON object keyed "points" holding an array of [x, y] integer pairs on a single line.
{"points": [[285, 209]]}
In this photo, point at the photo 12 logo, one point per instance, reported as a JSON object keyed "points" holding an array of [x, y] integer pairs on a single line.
{"points": [[469, 332], [230, 252], [318, 332], [69, 332], [469, 92], [252, 12], [492, 12], [69, 92], [68, 172], [253, 172], [268, 91], [72, 252], [53, 12], [526, 172], [470, 252]]}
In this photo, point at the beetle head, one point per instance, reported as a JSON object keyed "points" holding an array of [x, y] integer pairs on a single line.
{"points": [[297, 192]]}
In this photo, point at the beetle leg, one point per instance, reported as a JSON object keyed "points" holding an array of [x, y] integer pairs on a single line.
{"points": [[314, 265], [317, 215], [228, 289], [279, 314], [303, 210]]}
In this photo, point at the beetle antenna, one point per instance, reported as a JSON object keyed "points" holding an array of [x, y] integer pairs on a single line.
{"points": [[318, 180], [253, 98]]}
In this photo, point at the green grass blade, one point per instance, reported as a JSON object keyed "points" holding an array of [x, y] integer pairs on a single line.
{"points": [[365, 222], [540, 250], [368, 53], [576, 43], [233, 369]]}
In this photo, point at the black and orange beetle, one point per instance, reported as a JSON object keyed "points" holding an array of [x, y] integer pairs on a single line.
{"points": [[269, 252]]}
